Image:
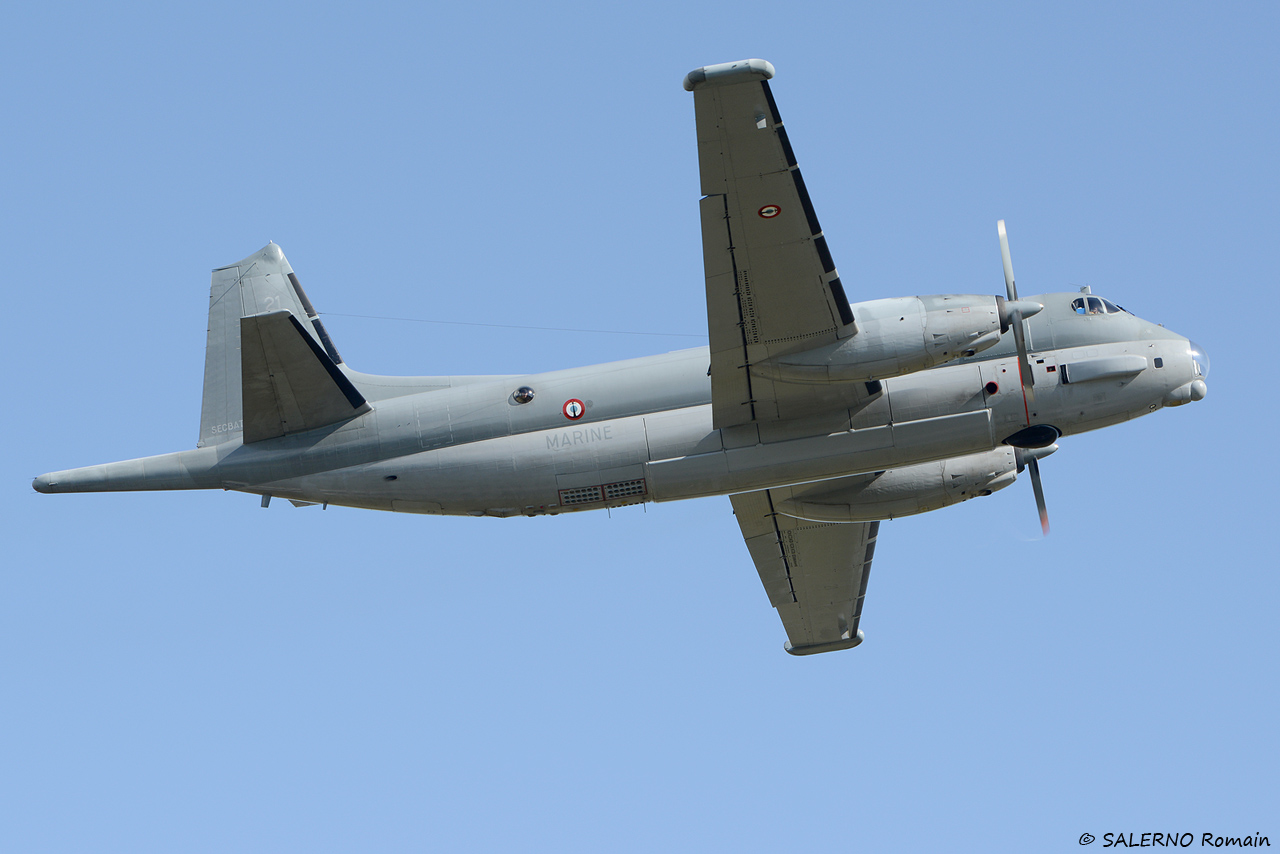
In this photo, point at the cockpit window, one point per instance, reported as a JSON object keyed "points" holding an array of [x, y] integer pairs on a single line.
{"points": [[1094, 305]]}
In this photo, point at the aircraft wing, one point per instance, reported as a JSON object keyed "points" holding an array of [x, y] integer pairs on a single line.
{"points": [[772, 287], [815, 573]]}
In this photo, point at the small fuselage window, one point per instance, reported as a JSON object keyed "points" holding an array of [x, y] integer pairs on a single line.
{"points": [[1094, 305]]}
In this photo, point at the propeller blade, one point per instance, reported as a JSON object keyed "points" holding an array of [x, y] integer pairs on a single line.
{"points": [[1024, 361], [1019, 336], [1008, 262], [1033, 466]]}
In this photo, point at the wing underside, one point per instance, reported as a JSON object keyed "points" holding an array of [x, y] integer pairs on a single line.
{"points": [[815, 573], [773, 290], [772, 286]]}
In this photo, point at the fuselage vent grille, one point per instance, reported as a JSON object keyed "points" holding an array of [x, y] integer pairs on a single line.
{"points": [[624, 489], [580, 495]]}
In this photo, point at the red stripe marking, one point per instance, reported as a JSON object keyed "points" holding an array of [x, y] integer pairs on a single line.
{"points": [[1025, 408]]}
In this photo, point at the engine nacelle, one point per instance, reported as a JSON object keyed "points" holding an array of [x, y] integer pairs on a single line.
{"points": [[903, 491], [899, 336]]}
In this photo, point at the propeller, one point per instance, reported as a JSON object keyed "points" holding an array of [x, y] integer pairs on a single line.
{"points": [[1018, 311], [1029, 459]]}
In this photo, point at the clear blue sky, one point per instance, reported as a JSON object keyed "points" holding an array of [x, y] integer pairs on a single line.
{"points": [[189, 672]]}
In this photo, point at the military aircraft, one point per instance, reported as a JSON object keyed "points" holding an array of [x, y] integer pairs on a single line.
{"points": [[817, 417]]}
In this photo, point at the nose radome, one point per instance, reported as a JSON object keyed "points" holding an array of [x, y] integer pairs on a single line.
{"points": [[1194, 390]]}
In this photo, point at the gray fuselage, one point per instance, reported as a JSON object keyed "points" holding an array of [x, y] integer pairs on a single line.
{"points": [[468, 445]]}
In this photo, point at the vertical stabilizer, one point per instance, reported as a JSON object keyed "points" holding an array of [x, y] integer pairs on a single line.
{"points": [[263, 282]]}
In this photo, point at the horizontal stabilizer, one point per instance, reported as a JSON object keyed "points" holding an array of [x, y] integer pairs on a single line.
{"points": [[288, 382]]}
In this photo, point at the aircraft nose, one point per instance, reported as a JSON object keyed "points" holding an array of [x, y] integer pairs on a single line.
{"points": [[1195, 388]]}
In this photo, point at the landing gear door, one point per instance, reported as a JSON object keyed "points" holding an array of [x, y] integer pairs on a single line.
{"points": [[1003, 392], [1048, 377], [1005, 399]]}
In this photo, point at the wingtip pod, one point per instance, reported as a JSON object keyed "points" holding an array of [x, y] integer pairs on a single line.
{"points": [[728, 72], [831, 646]]}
